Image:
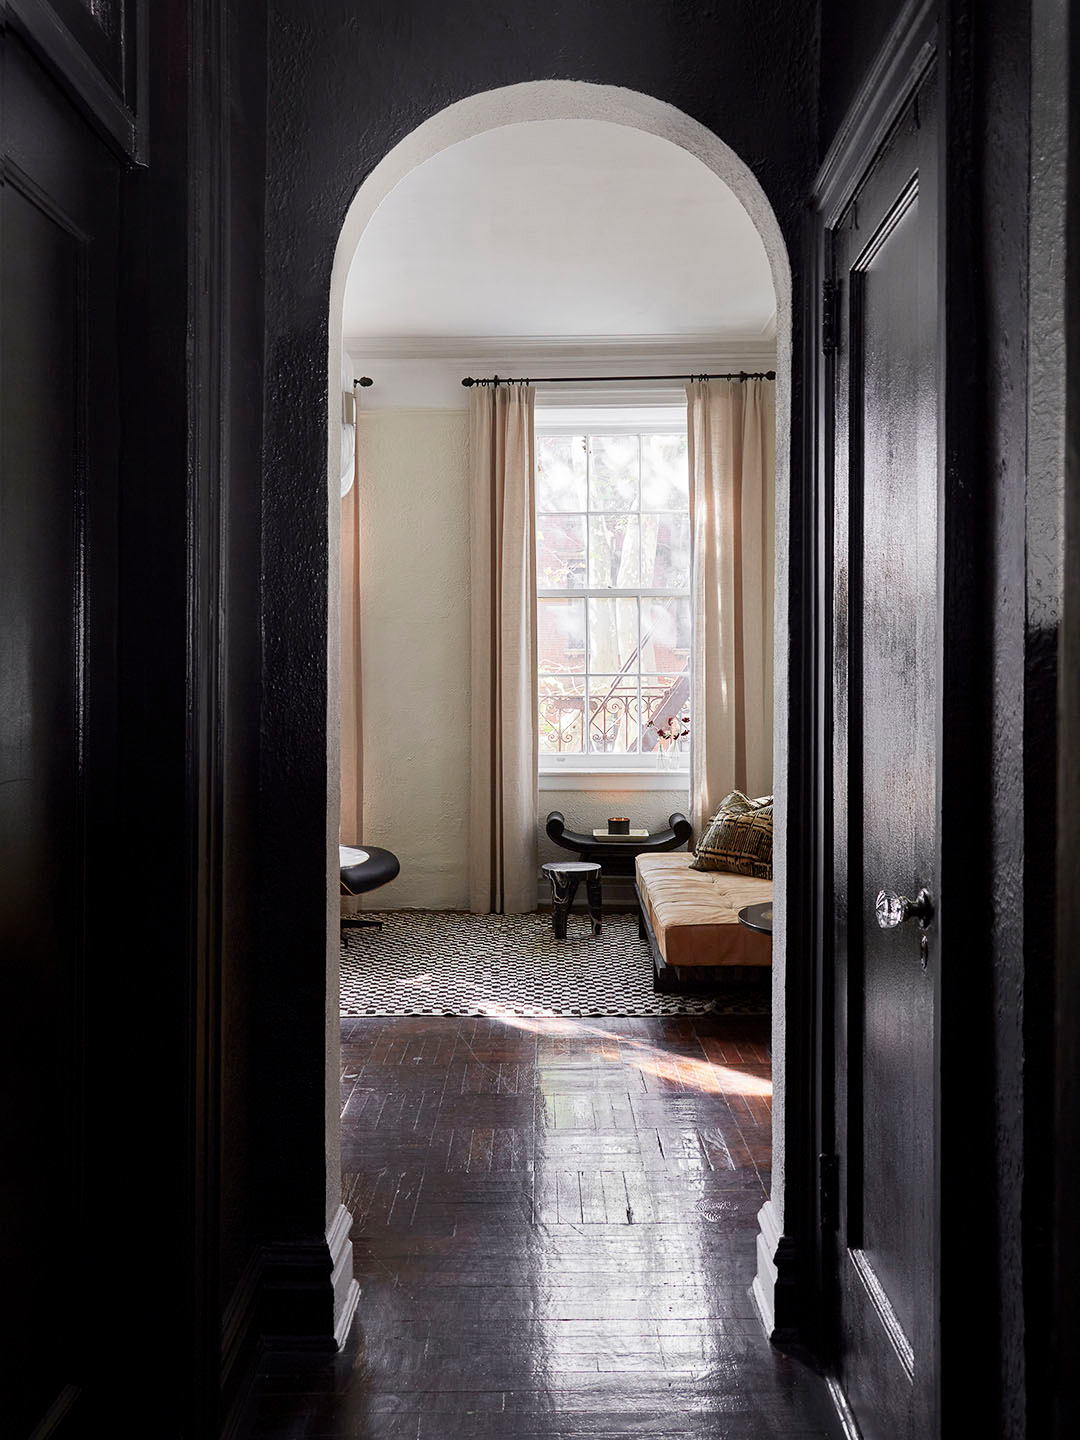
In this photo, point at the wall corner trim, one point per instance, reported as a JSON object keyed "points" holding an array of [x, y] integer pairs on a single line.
{"points": [[774, 1290]]}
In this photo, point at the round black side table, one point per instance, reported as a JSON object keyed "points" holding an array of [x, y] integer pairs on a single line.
{"points": [[365, 868], [757, 917]]}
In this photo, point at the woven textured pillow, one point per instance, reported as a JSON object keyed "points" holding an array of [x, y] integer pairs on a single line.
{"points": [[738, 839]]}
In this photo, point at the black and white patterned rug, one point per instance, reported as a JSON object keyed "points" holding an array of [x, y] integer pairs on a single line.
{"points": [[426, 962]]}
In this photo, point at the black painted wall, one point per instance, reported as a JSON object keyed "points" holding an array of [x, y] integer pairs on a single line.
{"points": [[242, 843], [190, 702], [263, 122], [1000, 1252], [1022, 740], [347, 81], [299, 125]]}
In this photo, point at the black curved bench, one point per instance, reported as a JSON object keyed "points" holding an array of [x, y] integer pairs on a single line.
{"points": [[380, 867], [616, 857]]}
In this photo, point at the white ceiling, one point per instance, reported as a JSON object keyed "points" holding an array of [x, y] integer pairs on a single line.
{"points": [[560, 228]]}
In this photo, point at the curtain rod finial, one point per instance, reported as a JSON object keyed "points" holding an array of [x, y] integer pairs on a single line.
{"points": [[364, 380], [468, 380]]}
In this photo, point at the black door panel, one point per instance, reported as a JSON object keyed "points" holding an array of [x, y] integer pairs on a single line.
{"points": [[886, 703], [59, 893]]}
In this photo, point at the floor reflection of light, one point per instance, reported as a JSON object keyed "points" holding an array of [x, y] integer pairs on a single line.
{"points": [[708, 1077], [645, 1257]]}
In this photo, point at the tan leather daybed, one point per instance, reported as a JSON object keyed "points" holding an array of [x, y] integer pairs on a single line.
{"points": [[691, 917]]}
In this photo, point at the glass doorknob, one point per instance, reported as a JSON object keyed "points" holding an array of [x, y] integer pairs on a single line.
{"points": [[892, 909]]}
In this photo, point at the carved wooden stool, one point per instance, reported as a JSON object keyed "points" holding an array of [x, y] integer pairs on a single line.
{"points": [[564, 877]]}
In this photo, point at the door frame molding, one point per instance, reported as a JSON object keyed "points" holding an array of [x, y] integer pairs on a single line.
{"points": [[1066, 1234], [926, 32], [114, 103]]}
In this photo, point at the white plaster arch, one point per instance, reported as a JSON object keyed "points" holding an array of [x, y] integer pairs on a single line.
{"points": [[576, 100]]}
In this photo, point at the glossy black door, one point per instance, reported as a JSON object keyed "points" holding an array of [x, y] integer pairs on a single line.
{"points": [[886, 647], [60, 924]]}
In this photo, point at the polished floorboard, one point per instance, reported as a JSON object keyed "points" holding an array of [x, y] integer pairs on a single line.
{"points": [[555, 1237]]}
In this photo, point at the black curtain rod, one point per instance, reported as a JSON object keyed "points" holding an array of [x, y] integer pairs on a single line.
{"points": [[620, 379]]}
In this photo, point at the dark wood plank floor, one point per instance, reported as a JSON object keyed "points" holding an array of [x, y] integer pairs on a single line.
{"points": [[555, 1233]]}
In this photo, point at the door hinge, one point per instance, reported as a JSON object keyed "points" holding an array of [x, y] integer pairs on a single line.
{"points": [[829, 1191], [830, 316]]}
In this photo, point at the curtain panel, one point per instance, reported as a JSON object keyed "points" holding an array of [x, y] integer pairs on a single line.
{"points": [[731, 432], [504, 801], [352, 743]]}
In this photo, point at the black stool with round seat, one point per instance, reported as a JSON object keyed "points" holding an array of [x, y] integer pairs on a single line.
{"points": [[365, 868], [564, 876]]}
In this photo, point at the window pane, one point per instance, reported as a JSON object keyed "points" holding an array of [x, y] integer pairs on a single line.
{"points": [[560, 635], [665, 633], [613, 714], [613, 472], [560, 472], [613, 635], [665, 479], [613, 552], [560, 552], [662, 698], [665, 552], [562, 714]]}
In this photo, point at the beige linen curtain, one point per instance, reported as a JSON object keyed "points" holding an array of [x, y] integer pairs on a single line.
{"points": [[502, 828], [731, 431], [352, 753]]}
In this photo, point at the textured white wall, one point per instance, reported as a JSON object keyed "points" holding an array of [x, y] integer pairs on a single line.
{"points": [[415, 651], [415, 664]]}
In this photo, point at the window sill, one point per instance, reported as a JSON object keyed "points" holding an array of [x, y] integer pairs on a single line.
{"points": [[615, 780]]}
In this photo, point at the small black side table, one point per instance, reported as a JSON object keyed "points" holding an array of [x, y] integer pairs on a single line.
{"points": [[617, 856], [564, 876], [757, 917]]}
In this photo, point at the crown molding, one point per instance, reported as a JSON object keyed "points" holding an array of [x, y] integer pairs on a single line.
{"points": [[690, 352]]}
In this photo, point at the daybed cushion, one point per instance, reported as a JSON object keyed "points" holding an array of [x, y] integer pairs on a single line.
{"points": [[694, 914]]}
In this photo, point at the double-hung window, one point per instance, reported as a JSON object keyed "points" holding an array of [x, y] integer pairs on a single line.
{"points": [[613, 588]]}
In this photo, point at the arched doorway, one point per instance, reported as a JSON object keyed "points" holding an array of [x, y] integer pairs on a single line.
{"points": [[567, 100]]}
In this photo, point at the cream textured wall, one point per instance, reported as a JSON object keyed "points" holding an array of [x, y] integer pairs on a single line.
{"points": [[413, 489], [415, 651]]}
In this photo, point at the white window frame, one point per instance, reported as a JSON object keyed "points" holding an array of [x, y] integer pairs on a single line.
{"points": [[610, 771]]}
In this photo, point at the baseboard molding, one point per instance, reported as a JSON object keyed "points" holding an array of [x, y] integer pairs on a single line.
{"points": [[774, 1287], [308, 1294], [344, 1285], [56, 1415], [240, 1346], [240, 1319], [297, 1297], [849, 1426]]}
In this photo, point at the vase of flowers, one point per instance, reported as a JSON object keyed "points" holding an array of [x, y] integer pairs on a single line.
{"points": [[671, 741]]}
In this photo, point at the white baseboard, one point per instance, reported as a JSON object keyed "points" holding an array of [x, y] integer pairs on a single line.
{"points": [[346, 1289], [763, 1289], [774, 1286]]}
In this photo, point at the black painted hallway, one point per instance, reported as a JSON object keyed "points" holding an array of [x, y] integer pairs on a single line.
{"points": [[555, 1236]]}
